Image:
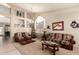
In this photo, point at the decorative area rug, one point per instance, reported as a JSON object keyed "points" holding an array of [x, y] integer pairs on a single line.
{"points": [[24, 43], [36, 49]]}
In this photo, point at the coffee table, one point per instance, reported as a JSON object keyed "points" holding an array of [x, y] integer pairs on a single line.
{"points": [[53, 47]]}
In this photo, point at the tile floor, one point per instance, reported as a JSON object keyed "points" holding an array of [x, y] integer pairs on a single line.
{"points": [[8, 49]]}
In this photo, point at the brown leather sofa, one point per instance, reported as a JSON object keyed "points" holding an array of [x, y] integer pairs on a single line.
{"points": [[22, 38], [64, 40]]}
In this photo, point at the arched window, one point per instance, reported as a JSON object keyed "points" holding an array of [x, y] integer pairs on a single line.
{"points": [[40, 23]]}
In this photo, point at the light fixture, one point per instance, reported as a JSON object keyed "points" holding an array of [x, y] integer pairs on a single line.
{"points": [[5, 4]]}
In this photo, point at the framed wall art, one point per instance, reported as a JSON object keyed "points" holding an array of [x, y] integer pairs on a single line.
{"points": [[58, 26]]}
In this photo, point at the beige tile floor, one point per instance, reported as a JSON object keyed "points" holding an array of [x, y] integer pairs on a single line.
{"points": [[35, 49], [8, 49]]}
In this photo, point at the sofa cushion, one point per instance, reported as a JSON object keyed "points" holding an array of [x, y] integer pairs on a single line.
{"points": [[26, 34], [58, 37], [18, 37], [53, 36], [67, 37], [65, 42]]}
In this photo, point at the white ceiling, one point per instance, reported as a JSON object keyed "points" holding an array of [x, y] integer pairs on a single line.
{"points": [[45, 7]]}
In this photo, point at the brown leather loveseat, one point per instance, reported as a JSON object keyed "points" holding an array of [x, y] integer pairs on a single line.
{"points": [[22, 38]]}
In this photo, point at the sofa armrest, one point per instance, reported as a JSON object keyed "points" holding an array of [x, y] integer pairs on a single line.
{"points": [[72, 42]]}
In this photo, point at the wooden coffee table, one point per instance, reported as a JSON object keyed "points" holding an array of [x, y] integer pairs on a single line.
{"points": [[53, 47]]}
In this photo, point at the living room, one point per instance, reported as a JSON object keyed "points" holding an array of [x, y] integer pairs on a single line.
{"points": [[28, 23]]}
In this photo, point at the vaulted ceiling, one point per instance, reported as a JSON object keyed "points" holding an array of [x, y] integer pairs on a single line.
{"points": [[45, 7]]}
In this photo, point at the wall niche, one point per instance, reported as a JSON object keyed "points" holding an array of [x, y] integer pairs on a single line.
{"points": [[20, 13]]}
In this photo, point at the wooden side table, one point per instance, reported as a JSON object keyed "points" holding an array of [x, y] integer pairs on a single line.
{"points": [[53, 47]]}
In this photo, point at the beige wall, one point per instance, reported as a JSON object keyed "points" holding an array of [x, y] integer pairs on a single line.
{"points": [[18, 29], [66, 15], [15, 20], [4, 11], [5, 20]]}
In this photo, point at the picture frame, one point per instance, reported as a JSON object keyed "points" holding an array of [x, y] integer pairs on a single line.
{"points": [[58, 26]]}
